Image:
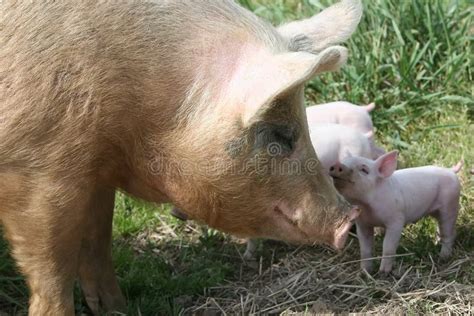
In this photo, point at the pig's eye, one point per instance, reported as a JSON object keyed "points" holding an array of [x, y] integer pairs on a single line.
{"points": [[364, 169], [284, 137], [278, 139]]}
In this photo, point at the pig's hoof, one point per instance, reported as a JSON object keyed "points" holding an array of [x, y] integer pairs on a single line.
{"points": [[384, 275], [445, 254], [103, 296], [366, 275], [252, 264], [365, 271], [396, 274], [367, 266], [249, 256]]}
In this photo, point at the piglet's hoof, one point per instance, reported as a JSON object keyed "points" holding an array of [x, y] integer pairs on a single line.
{"points": [[249, 256], [366, 275], [252, 264], [367, 270], [444, 258], [384, 275]]}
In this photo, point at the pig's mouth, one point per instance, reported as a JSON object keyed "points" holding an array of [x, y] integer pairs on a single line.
{"points": [[342, 232], [339, 235], [291, 222]]}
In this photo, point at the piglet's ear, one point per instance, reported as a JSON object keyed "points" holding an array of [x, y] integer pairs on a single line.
{"points": [[369, 135], [387, 164]]}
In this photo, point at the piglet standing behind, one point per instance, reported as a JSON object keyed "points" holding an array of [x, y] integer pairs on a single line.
{"points": [[342, 112], [392, 199], [346, 114], [333, 142]]}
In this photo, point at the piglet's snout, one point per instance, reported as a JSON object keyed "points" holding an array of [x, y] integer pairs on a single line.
{"points": [[339, 170]]}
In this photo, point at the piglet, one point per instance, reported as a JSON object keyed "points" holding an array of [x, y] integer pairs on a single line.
{"points": [[333, 142], [342, 112], [392, 199], [347, 114]]}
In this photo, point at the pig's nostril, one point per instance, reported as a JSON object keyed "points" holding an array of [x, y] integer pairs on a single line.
{"points": [[331, 169], [340, 169]]}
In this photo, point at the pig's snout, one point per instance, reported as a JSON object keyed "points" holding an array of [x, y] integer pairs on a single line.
{"points": [[353, 214], [339, 171], [342, 232]]}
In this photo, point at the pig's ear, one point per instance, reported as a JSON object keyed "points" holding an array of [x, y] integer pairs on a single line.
{"points": [[282, 75], [369, 135], [387, 164], [377, 151], [332, 26]]}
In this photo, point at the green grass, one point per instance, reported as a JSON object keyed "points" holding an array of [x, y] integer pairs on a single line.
{"points": [[414, 59]]}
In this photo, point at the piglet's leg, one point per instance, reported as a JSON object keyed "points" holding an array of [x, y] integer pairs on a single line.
{"points": [[365, 234], [252, 245], [96, 272], [390, 244], [446, 218]]}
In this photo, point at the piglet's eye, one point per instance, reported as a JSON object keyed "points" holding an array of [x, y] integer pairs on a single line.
{"points": [[364, 169]]}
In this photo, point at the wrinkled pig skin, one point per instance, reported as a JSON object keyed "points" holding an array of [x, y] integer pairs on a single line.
{"points": [[393, 199], [169, 101]]}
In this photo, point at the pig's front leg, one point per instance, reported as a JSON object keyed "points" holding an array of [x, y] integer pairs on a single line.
{"points": [[390, 244], [46, 233], [96, 272], [365, 233]]}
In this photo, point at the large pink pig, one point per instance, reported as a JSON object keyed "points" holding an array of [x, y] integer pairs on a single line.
{"points": [[174, 101], [392, 199]]}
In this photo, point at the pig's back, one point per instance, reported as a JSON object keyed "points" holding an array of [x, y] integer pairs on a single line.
{"points": [[427, 172], [66, 72], [321, 114], [340, 112], [425, 188], [89, 71]]}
